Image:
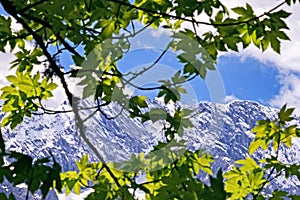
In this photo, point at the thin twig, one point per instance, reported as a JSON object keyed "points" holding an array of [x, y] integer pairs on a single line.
{"points": [[271, 172]]}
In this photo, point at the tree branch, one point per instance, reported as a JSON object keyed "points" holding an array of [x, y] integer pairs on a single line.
{"points": [[14, 13], [161, 14], [271, 172], [32, 6]]}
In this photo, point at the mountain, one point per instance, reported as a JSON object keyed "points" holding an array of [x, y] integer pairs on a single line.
{"points": [[221, 129]]}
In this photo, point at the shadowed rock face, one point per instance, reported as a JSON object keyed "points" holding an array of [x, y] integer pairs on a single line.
{"points": [[221, 129]]}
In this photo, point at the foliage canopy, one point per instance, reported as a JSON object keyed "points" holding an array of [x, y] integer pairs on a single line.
{"points": [[102, 29]]}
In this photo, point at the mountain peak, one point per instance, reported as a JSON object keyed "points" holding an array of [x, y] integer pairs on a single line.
{"points": [[221, 129]]}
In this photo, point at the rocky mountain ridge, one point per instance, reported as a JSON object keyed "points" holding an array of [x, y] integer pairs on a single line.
{"points": [[221, 129]]}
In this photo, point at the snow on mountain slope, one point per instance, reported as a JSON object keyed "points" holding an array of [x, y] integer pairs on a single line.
{"points": [[223, 130]]}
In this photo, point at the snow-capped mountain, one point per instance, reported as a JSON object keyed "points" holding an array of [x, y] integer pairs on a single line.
{"points": [[221, 129]]}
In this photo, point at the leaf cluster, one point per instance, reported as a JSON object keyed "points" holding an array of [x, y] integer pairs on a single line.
{"points": [[24, 95], [39, 175], [101, 29]]}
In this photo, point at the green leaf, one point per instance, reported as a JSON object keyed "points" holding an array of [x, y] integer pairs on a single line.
{"points": [[275, 44], [219, 17], [156, 114], [82, 163], [282, 35], [4, 197], [12, 79], [216, 189], [203, 163], [285, 114], [239, 10], [78, 60], [248, 164], [108, 28], [51, 86], [102, 191], [265, 43], [139, 101], [278, 195], [254, 145], [283, 14]]}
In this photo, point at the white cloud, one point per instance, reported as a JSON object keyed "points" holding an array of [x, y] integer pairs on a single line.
{"points": [[289, 92], [151, 38], [230, 98], [6, 58], [158, 33], [289, 58], [288, 62], [15, 26], [59, 97]]}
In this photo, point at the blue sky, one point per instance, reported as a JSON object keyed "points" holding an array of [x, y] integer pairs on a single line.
{"points": [[268, 78], [249, 79], [243, 77], [246, 79]]}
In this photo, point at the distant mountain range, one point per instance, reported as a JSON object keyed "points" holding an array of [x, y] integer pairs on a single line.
{"points": [[221, 129]]}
